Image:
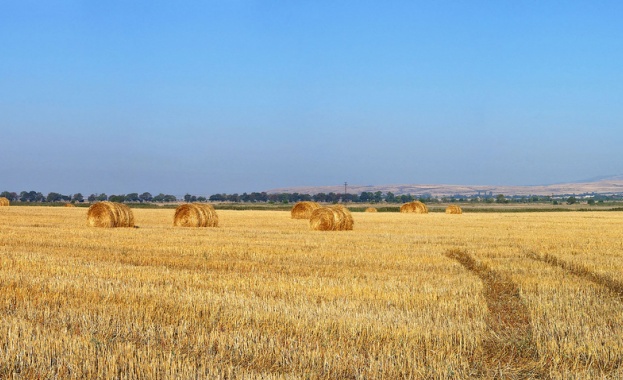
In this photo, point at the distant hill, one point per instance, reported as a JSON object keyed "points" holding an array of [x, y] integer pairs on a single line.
{"points": [[601, 185]]}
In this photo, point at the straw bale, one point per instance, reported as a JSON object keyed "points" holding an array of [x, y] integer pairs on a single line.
{"points": [[345, 218], [416, 207], [371, 209], [454, 209], [4, 201], [195, 215], [110, 214], [303, 210], [336, 218]]}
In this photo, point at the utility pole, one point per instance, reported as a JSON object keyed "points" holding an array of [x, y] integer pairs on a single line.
{"points": [[345, 184]]}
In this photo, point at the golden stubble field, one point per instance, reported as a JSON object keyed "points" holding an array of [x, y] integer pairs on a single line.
{"points": [[507, 295]]}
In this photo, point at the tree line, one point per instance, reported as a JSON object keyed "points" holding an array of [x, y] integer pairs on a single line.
{"points": [[263, 197], [254, 197], [34, 196]]}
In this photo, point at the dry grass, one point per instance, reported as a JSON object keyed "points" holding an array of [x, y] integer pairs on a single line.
{"points": [[263, 297]]}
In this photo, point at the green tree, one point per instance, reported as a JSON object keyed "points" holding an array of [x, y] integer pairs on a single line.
{"points": [[571, 200], [170, 198], [501, 199], [146, 197], [132, 197], [117, 198], [10, 196], [78, 197], [378, 197], [53, 197], [390, 197]]}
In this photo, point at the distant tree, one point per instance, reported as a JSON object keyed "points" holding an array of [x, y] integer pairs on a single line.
{"points": [[501, 199], [333, 197], [591, 202], [405, 198], [187, 198], [145, 197], [217, 198], [78, 197], [132, 197], [170, 198], [201, 199], [390, 197], [10, 196], [31, 196], [159, 198], [350, 198], [366, 197], [259, 197], [378, 197], [320, 197], [571, 200], [28, 196], [117, 198], [102, 197]]}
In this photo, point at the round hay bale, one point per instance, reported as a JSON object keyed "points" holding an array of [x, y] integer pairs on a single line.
{"points": [[416, 207], [303, 210], [345, 218], [454, 209], [109, 215], [323, 219], [70, 205], [371, 209], [336, 218], [4, 201], [195, 215]]}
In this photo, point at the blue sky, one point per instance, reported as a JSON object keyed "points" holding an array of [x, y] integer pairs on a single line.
{"points": [[237, 96]]}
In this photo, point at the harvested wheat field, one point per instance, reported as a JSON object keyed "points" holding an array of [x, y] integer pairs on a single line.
{"points": [[505, 295]]}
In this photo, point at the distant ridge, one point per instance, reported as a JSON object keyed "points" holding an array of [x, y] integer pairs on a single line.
{"points": [[600, 185]]}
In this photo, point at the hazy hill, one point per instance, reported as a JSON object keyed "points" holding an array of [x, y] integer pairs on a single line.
{"points": [[601, 185]]}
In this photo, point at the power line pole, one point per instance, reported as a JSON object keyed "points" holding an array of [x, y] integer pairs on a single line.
{"points": [[345, 184]]}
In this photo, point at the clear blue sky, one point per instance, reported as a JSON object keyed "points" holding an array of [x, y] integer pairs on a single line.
{"points": [[238, 96]]}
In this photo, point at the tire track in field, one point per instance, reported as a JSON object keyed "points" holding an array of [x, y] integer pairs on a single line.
{"points": [[581, 271], [508, 348]]}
